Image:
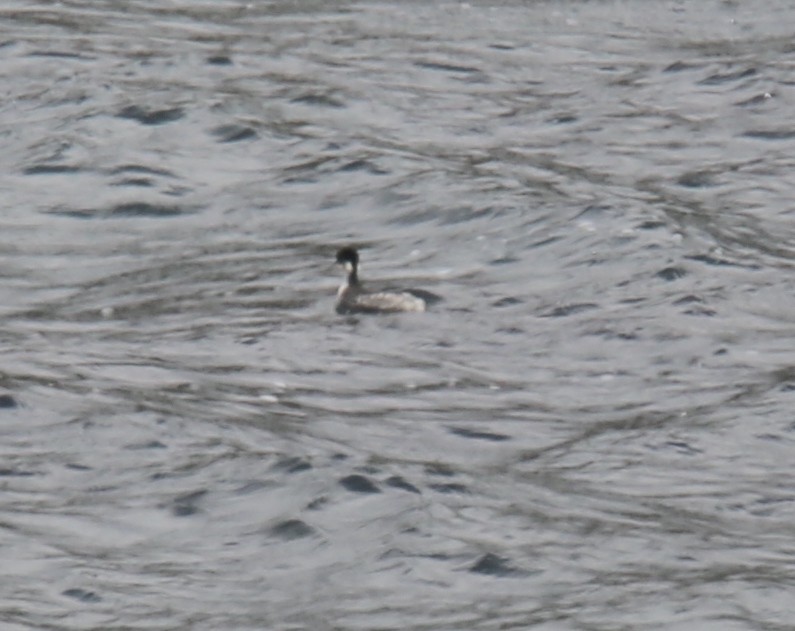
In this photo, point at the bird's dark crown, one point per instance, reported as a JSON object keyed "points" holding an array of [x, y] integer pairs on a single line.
{"points": [[348, 255]]}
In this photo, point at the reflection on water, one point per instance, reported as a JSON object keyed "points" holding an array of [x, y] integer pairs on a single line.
{"points": [[596, 415]]}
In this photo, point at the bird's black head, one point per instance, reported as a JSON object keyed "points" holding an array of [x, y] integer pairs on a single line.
{"points": [[348, 255]]}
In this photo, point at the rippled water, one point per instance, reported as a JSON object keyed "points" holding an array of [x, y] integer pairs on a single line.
{"points": [[593, 431]]}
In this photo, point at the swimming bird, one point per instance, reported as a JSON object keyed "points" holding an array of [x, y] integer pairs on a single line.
{"points": [[352, 297]]}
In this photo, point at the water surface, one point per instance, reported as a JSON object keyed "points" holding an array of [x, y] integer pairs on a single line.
{"points": [[593, 431]]}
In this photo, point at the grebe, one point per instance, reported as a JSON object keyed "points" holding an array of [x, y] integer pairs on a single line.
{"points": [[352, 297]]}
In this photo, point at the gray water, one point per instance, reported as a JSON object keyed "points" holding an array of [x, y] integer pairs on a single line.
{"points": [[593, 431]]}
